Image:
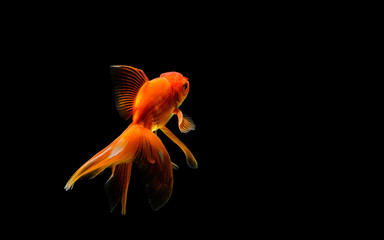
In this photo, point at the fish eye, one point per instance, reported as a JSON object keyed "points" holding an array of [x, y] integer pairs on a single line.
{"points": [[185, 85]]}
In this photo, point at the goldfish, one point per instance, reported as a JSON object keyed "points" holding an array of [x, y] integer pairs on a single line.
{"points": [[150, 104]]}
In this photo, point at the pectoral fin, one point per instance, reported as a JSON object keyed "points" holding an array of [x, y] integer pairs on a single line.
{"points": [[185, 122]]}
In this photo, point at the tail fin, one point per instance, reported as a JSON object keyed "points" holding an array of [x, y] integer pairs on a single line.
{"points": [[121, 150], [135, 144], [155, 166], [117, 186]]}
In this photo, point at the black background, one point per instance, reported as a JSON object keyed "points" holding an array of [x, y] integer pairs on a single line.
{"points": [[80, 118], [265, 95], [241, 174], [242, 99], [234, 141]]}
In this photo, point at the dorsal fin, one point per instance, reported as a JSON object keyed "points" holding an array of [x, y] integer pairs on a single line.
{"points": [[127, 82]]}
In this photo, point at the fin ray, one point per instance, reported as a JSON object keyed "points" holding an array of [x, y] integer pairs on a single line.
{"points": [[186, 123], [118, 152], [127, 82]]}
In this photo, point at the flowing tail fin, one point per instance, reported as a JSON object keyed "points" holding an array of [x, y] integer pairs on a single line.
{"points": [[135, 144], [117, 186]]}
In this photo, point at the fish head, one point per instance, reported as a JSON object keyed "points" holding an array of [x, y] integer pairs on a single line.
{"points": [[179, 84]]}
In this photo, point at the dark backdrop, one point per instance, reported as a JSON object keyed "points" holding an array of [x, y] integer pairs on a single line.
{"points": [[239, 99], [80, 119]]}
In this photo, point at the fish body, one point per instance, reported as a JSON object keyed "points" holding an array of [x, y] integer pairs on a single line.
{"points": [[150, 104], [156, 102]]}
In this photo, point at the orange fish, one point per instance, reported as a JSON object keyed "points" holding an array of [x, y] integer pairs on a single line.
{"points": [[150, 104]]}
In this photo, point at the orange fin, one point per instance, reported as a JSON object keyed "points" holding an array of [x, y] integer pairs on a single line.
{"points": [[185, 122], [155, 166], [91, 168], [174, 166], [117, 186], [118, 152], [190, 158], [136, 144], [127, 82]]}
